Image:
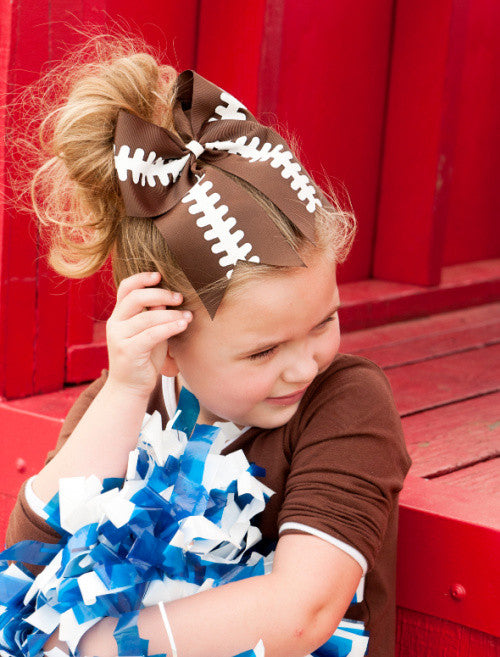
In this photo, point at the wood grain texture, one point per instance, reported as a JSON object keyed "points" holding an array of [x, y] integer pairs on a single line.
{"points": [[471, 232], [481, 479], [429, 346], [421, 635], [374, 302], [409, 229], [380, 337], [445, 439], [444, 380]]}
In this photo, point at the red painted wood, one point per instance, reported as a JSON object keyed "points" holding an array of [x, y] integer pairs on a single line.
{"points": [[421, 635], [85, 362], [450, 438], [28, 436], [19, 247], [168, 26], [53, 405], [448, 537], [374, 302], [409, 229], [5, 40], [471, 232], [425, 347], [481, 479], [331, 92], [440, 381], [385, 335], [81, 318], [229, 46]]}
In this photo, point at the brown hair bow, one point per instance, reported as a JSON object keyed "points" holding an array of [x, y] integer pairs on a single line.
{"points": [[208, 221]]}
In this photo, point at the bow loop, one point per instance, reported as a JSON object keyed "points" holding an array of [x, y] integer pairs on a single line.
{"points": [[211, 223]]}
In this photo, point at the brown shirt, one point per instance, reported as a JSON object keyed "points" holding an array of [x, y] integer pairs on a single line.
{"points": [[337, 466]]}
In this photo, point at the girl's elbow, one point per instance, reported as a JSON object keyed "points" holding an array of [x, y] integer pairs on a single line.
{"points": [[321, 624]]}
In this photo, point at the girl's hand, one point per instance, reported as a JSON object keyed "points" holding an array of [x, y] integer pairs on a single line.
{"points": [[137, 340]]}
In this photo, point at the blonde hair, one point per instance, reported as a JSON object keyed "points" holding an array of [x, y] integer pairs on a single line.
{"points": [[74, 189]]}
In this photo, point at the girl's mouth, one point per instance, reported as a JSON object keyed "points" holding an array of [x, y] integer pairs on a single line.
{"points": [[288, 399]]}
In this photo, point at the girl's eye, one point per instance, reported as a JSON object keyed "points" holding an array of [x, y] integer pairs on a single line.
{"points": [[262, 354], [328, 319]]}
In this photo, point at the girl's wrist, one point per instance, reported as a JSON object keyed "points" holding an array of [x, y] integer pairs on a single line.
{"points": [[126, 392]]}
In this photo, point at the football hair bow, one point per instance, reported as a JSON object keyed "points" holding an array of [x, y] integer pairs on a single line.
{"points": [[209, 221]]}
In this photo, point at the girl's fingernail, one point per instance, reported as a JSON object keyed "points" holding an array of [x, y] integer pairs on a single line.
{"points": [[187, 314], [177, 296], [182, 323]]}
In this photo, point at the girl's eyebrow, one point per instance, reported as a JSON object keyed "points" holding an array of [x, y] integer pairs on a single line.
{"points": [[269, 345]]}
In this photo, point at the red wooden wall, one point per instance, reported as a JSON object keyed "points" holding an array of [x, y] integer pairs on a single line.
{"points": [[395, 100]]}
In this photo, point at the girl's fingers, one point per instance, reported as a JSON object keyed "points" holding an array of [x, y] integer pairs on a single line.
{"points": [[139, 298], [151, 319], [136, 281], [150, 337]]}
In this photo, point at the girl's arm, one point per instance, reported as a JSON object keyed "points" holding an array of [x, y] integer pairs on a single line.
{"points": [[294, 609], [101, 441], [137, 347]]}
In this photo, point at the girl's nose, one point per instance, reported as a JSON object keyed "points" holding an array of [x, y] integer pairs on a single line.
{"points": [[302, 367]]}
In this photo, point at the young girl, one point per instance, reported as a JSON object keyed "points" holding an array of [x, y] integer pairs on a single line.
{"points": [[224, 255]]}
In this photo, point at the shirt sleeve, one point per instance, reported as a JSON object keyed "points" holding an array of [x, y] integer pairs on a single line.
{"points": [[24, 522], [348, 459]]}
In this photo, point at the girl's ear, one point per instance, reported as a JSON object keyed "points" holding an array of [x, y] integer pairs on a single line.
{"points": [[169, 367]]}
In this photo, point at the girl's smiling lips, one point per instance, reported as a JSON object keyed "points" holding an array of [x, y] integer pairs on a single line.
{"points": [[287, 399]]}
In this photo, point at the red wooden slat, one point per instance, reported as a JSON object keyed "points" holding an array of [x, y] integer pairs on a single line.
{"points": [[439, 344], [409, 227], [168, 26], [379, 336], [472, 233], [451, 437], [331, 92], [85, 362], [448, 537], [374, 302], [444, 380], [222, 30], [81, 301], [29, 23], [481, 479], [421, 635]]}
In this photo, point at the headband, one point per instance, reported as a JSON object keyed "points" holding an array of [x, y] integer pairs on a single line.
{"points": [[208, 220]]}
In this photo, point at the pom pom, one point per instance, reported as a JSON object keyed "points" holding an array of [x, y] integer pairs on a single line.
{"points": [[178, 523]]}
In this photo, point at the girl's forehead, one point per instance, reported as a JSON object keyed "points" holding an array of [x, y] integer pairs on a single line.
{"points": [[268, 304]]}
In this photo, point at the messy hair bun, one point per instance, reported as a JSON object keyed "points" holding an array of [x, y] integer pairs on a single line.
{"points": [[75, 191]]}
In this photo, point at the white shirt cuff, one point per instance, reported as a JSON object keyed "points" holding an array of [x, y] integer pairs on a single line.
{"points": [[33, 501]]}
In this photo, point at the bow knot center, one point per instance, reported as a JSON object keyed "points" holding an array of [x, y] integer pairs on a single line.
{"points": [[195, 147]]}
